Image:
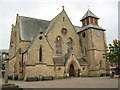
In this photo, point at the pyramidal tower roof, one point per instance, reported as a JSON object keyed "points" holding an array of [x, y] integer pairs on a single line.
{"points": [[89, 14]]}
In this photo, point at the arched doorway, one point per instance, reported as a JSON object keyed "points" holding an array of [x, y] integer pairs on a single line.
{"points": [[71, 71]]}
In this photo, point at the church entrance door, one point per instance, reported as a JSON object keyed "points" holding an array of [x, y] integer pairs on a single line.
{"points": [[71, 71]]}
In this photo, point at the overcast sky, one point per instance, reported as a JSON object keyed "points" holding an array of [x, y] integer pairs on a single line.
{"points": [[106, 10]]}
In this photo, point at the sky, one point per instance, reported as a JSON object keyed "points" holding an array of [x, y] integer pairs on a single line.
{"points": [[106, 10]]}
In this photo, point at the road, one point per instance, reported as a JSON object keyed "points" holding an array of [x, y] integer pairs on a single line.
{"points": [[96, 82]]}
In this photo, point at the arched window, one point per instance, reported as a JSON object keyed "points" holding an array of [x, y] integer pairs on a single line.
{"points": [[58, 45], [40, 54], [70, 43]]}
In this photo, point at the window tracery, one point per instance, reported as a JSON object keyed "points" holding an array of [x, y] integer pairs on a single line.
{"points": [[58, 45], [70, 45]]}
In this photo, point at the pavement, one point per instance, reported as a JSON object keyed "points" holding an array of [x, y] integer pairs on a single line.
{"points": [[74, 82]]}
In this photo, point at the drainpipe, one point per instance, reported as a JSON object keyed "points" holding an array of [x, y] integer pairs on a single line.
{"points": [[22, 63], [55, 71]]}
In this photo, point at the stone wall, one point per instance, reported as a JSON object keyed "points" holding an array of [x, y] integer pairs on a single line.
{"points": [[11, 66], [39, 70]]}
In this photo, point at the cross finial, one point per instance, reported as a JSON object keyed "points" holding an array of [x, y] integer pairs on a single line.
{"points": [[88, 7], [63, 6]]}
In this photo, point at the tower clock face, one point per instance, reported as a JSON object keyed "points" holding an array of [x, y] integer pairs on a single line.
{"points": [[98, 33]]}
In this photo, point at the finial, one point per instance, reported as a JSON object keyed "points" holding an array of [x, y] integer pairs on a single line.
{"points": [[17, 14], [88, 7], [12, 25], [63, 6]]}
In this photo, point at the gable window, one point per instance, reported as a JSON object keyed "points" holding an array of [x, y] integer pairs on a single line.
{"points": [[40, 54], [58, 45], [83, 34], [63, 19], [70, 47]]}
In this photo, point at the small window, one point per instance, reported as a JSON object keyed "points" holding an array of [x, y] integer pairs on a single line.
{"points": [[83, 34], [59, 68], [40, 37], [41, 32], [40, 54], [83, 68], [63, 19]]}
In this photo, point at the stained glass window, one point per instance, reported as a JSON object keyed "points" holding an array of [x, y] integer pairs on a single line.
{"points": [[58, 45], [70, 47]]}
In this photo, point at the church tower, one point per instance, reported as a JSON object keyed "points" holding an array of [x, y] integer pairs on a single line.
{"points": [[93, 44]]}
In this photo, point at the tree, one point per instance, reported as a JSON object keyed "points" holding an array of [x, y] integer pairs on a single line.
{"points": [[113, 55]]}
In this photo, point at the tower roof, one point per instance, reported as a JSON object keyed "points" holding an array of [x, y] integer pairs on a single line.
{"points": [[89, 14]]}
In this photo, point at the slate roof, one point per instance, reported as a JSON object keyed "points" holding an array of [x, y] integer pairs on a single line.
{"points": [[30, 26], [82, 61], [59, 60], [89, 14], [90, 26], [67, 55], [30, 43], [77, 28]]}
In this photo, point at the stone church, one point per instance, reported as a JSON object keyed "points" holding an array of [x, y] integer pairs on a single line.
{"points": [[57, 48]]}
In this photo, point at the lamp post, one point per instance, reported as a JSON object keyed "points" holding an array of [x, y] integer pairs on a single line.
{"points": [[6, 57]]}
